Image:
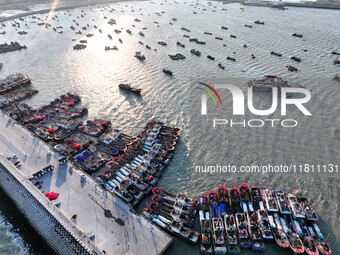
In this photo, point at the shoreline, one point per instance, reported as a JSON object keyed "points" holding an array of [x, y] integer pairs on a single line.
{"points": [[69, 7], [317, 4]]}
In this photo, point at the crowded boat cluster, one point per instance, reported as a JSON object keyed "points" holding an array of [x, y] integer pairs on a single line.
{"points": [[125, 165], [240, 218], [13, 46], [13, 81]]}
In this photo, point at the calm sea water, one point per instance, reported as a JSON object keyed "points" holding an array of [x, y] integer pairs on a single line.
{"points": [[94, 73]]}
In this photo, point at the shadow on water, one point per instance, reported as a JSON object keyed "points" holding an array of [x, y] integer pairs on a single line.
{"points": [[32, 240]]}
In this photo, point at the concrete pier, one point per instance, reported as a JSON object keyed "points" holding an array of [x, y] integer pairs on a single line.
{"points": [[104, 224]]}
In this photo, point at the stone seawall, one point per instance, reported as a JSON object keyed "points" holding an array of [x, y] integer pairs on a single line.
{"points": [[39, 216]]}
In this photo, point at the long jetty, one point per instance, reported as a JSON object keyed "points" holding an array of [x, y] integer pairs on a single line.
{"points": [[85, 219]]}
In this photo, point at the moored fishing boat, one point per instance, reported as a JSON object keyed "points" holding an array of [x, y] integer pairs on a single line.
{"points": [[219, 241], [172, 227], [282, 201], [256, 197], [233, 244], [223, 199], [278, 232], [297, 209], [245, 198], [255, 232], [266, 225], [269, 200], [241, 224], [309, 211], [307, 239], [321, 243], [205, 229], [235, 200]]}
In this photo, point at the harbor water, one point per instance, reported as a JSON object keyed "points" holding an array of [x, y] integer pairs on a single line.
{"points": [[94, 74]]}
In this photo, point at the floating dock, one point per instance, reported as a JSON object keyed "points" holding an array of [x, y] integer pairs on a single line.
{"points": [[103, 224]]}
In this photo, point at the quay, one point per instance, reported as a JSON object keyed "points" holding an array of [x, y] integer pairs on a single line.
{"points": [[85, 219]]}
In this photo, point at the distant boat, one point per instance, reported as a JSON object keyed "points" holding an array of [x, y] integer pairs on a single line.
{"points": [[167, 71], [139, 55], [129, 88]]}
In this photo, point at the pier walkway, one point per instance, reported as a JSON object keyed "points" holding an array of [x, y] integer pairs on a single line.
{"points": [[103, 220]]}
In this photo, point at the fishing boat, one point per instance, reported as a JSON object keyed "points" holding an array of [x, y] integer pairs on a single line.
{"points": [[307, 239], [205, 229], [276, 53], [235, 200], [233, 36], [173, 227], [207, 33], [296, 244], [248, 26], [296, 59], [94, 127], [195, 52], [266, 225], [223, 27], [233, 244], [13, 81], [141, 33], [278, 232], [180, 44], [221, 66], [269, 82], [223, 200], [218, 38], [111, 22], [212, 198], [139, 55], [291, 68], [167, 71], [297, 209], [322, 245], [297, 35], [162, 43], [256, 197], [128, 31], [218, 233], [309, 211], [259, 22], [255, 231], [241, 224], [336, 62], [210, 57], [129, 88], [245, 198], [230, 58], [269, 200], [282, 201]]}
